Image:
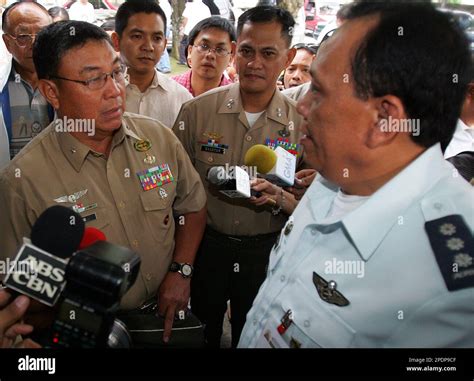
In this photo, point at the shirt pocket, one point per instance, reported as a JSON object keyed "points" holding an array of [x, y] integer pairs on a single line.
{"points": [[314, 325], [157, 210]]}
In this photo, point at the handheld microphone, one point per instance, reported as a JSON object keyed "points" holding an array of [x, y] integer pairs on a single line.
{"points": [[229, 186], [234, 183], [277, 166], [41, 264]]}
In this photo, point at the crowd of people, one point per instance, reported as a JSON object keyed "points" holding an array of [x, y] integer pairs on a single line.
{"points": [[370, 115]]}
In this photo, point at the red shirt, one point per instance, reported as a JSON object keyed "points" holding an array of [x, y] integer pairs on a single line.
{"points": [[185, 80]]}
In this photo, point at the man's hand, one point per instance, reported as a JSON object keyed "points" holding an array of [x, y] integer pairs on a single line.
{"points": [[173, 297], [306, 177], [10, 321]]}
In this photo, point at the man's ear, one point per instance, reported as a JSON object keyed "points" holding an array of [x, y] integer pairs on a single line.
{"points": [[470, 91], [390, 115], [50, 91], [233, 49], [188, 59], [115, 41], [8, 41], [290, 56]]}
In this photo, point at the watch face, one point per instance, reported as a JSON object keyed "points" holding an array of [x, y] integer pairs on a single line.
{"points": [[186, 270]]}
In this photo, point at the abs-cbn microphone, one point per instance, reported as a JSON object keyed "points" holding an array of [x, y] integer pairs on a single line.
{"points": [[40, 265], [277, 166]]}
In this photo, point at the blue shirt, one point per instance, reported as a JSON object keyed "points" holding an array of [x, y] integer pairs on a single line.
{"points": [[382, 261]]}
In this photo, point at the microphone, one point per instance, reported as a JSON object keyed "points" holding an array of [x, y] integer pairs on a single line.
{"points": [[41, 264], [277, 166], [234, 183], [91, 236], [232, 187]]}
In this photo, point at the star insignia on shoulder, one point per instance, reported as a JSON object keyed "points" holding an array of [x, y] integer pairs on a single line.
{"points": [[463, 260]]}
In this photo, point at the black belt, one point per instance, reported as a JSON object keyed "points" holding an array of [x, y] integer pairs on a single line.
{"points": [[240, 238]]}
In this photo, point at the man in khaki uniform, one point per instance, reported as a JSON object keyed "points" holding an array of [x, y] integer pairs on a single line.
{"points": [[125, 174], [216, 129]]}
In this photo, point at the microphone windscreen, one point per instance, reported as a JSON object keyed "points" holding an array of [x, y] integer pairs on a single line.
{"points": [[262, 157], [58, 231], [91, 235], [216, 175]]}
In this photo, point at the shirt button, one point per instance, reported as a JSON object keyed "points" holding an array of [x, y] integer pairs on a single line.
{"points": [[282, 278], [248, 138], [313, 231], [135, 242], [307, 323], [255, 321], [148, 277], [237, 222], [210, 159], [122, 204]]}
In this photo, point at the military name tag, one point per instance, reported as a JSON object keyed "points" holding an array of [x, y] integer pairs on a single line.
{"points": [[214, 147], [89, 218], [155, 177]]}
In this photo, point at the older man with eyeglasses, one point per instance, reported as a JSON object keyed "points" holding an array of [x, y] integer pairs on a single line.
{"points": [[25, 111], [131, 173], [211, 46]]}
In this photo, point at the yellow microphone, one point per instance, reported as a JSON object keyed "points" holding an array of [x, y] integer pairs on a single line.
{"points": [[278, 166]]}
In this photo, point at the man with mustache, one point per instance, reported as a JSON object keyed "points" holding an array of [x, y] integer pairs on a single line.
{"points": [[128, 175], [25, 111], [216, 129], [210, 49], [140, 38]]}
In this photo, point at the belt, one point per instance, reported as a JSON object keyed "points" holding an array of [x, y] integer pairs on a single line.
{"points": [[240, 238]]}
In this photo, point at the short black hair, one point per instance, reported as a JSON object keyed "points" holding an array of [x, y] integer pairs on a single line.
{"points": [[210, 22], [58, 12], [265, 14], [54, 41], [13, 6], [417, 54], [132, 7]]}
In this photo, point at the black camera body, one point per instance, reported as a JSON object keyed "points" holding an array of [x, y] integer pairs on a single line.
{"points": [[97, 277]]}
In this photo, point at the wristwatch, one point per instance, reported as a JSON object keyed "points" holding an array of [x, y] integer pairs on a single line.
{"points": [[185, 269]]}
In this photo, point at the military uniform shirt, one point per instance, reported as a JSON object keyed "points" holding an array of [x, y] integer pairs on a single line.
{"points": [[215, 132], [399, 296], [57, 165]]}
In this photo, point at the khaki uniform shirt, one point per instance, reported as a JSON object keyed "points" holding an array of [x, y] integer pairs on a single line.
{"points": [[55, 165], [218, 116], [161, 101]]}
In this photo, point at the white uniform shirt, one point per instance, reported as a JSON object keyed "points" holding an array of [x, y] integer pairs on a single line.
{"points": [[382, 261], [463, 140]]}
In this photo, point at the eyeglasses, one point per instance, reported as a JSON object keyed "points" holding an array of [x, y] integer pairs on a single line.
{"points": [[23, 39], [96, 83], [204, 49], [312, 48]]}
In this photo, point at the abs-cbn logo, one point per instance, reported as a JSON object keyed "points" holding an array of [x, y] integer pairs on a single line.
{"points": [[45, 277]]}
